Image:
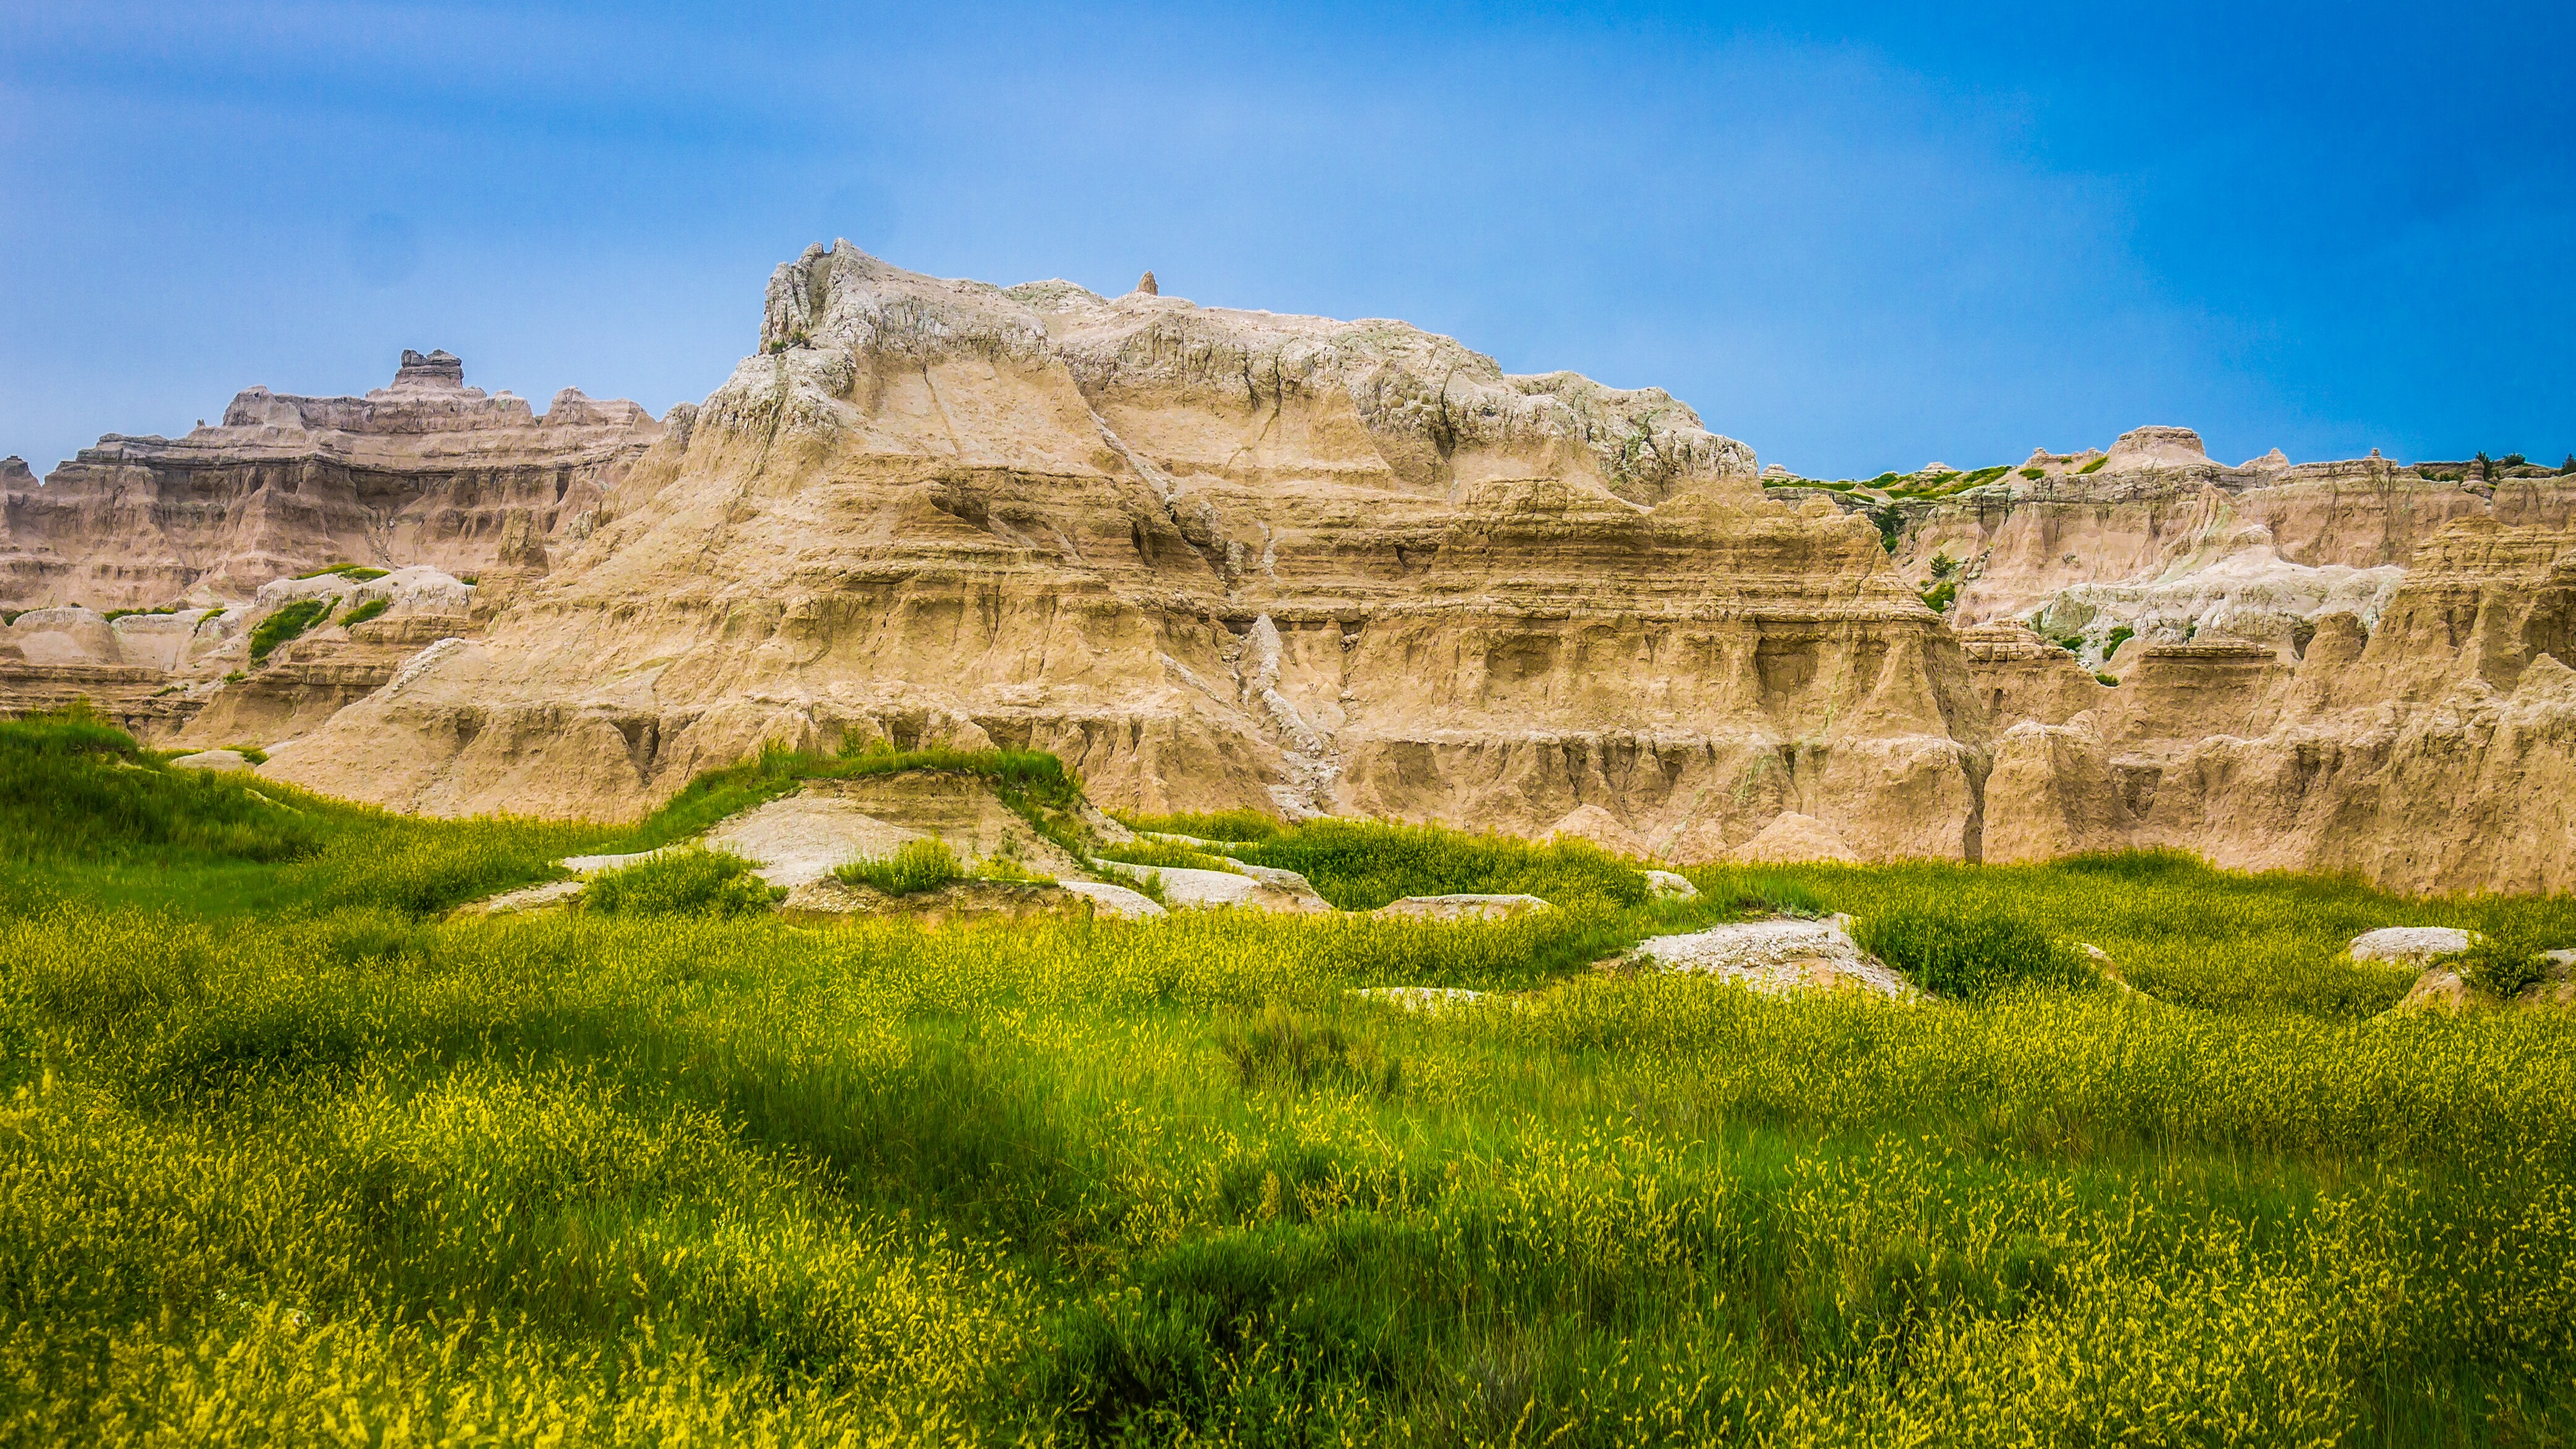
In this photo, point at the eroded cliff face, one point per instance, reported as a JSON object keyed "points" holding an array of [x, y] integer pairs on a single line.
{"points": [[427, 471], [2414, 724], [1211, 558], [1216, 558]]}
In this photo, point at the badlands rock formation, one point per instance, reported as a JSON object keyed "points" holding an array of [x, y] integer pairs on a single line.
{"points": [[426, 471], [1211, 558], [1219, 558]]}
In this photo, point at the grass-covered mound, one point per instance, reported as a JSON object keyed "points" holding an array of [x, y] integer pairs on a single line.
{"points": [[335, 1170], [1032, 782], [1361, 865], [85, 810], [73, 788]]}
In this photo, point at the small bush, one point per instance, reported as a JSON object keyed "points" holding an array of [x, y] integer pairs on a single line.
{"points": [[1970, 955], [252, 753], [2034, 474], [1216, 825], [916, 865], [1943, 565], [287, 623], [368, 610], [1940, 596], [2071, 643], [2105, 679], [2096, 465], [2499, 965], [357, 572], [2117, 637], [682, 883]]}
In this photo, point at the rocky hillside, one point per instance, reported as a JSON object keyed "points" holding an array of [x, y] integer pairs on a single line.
{"points": [[426, 471], [1218, 558]]}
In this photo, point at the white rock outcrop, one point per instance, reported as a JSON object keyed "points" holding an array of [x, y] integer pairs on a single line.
{"points": [[1462, 908], [1776, 957], [2408, 945]]}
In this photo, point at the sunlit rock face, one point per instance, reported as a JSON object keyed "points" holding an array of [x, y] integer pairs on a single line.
{"points": [[1216, 558], [1211, 557]]}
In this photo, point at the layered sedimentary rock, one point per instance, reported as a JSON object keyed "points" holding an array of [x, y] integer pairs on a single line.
{"points": [[2158, 538], [1216, 558], [425, 471], [1210, 557]]}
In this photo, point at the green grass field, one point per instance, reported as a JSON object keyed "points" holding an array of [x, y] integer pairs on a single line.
{"points": [[287, 1157]]}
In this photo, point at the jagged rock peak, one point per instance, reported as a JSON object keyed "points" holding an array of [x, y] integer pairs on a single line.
{"points": [[1147, 285], [836, 316], [441, 371]]}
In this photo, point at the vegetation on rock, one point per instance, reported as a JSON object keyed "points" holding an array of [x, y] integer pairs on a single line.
{"points": [[915, 865], [287, 622], [691, 882]]}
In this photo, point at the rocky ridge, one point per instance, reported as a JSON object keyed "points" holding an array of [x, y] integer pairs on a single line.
{"points": [[424, 471], [1217, 558]]}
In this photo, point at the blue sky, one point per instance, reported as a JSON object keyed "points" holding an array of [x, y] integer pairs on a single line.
{"points": [[1857, 237]]}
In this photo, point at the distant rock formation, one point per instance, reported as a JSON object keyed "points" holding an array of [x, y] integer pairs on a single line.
{"points": [[426, 471]]}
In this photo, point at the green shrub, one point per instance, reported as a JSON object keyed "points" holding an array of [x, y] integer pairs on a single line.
{"points": [[1970, 954], [287, 622], [2117, 637], [2498, 964], [2034, 474], [1213, 825], [916, 865], [1890, 520], [1943, 565], [2096, 465], [2071, 643], [358, 573], [252, 753], [693, 882], [1940, 596], [2099, 678], [368, 610]]}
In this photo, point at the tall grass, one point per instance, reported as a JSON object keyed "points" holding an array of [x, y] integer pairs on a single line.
{"points": [[1361, 865], [696, 882], [286, 1158], [1096, 1181]]}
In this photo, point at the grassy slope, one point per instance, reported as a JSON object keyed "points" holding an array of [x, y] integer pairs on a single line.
{"points": [[285, 1176]]}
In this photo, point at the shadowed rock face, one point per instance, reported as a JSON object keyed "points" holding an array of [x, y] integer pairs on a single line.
{"points": [[427, 471]]}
